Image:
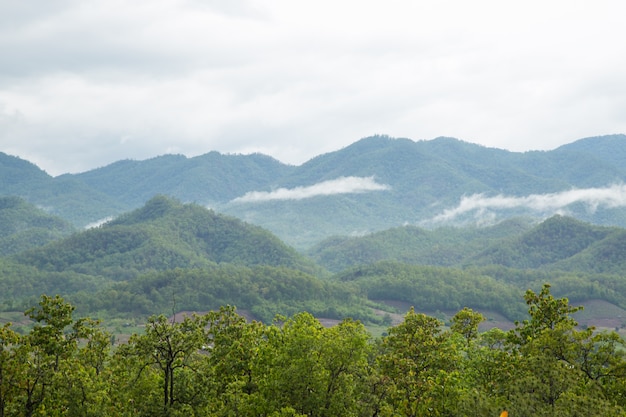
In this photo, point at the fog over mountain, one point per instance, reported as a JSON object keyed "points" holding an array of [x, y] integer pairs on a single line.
{"points": [[483, 208], [375, 183], [342, 185]]}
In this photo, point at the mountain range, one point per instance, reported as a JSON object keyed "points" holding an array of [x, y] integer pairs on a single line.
{"points": [[372, 185], [170, 256]]}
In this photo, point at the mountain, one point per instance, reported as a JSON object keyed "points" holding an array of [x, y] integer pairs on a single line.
{"points": [[204, 179], [168, 253], [18, 173], [547, 245], [66, 197], [558, 243], [164, 234], [609, 148], [439, 182], [414, 245], [607, 255], [24, 226], [427, 182]]}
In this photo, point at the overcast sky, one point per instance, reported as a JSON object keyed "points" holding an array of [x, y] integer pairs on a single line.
{"points": [[85, 83]]}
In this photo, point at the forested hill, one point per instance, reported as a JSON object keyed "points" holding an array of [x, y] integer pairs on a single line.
{"points": [[164, 234], [205, 179], [169, 255], [24, 226], [374, 184], [558, 243]]}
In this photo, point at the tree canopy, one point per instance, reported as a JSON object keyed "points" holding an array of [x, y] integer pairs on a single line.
{"points": [[219, 363]]}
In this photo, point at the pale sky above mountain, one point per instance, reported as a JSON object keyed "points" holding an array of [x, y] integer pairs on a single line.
{"points": [[85, 83]]}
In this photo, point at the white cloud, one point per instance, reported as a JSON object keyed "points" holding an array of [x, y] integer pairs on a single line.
{"points": [[99, 223], [342, 185], [199, 75], [484, 207]]}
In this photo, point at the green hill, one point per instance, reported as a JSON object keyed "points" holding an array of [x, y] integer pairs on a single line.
{"points": [[607, 255], [164, 234], [23, 226], [431, 288], [426, 178], [558, 243], [423, 180], [609, 148], [169, 255], [204, 179], [552, 241], [410, 244]]}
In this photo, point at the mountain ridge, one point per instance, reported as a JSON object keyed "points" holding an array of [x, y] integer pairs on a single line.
{"points": [[424, 180]]}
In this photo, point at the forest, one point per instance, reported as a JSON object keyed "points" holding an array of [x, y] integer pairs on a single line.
{"points": [[172, 308], [220, 364]]}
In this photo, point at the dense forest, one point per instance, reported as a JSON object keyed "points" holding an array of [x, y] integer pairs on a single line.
{"points": [[168, 256], [189, 310], [220, 364]]}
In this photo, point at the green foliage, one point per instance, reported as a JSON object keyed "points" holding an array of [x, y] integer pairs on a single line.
{"points": [[263, 290], [466, 323], [169, 349], [312, 369], [435, 288], [23, 226], [558, 243], [57, 366], [163, 235], [562, 370], [419, 360], [220, 364], [414, 245]]}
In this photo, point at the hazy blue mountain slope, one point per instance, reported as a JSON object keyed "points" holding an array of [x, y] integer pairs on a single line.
{"points": [[497, 170], [609, 148], [18, 173], [203, 179], [425, 179], [74, 201], [426, 183], [62, 196]]}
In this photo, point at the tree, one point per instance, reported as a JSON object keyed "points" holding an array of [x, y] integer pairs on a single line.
{"points": [[47, 371], [229, 366], [418, 359], [9, 340], [169, 347], [466, 323], [562, 370], [315, 371]]}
